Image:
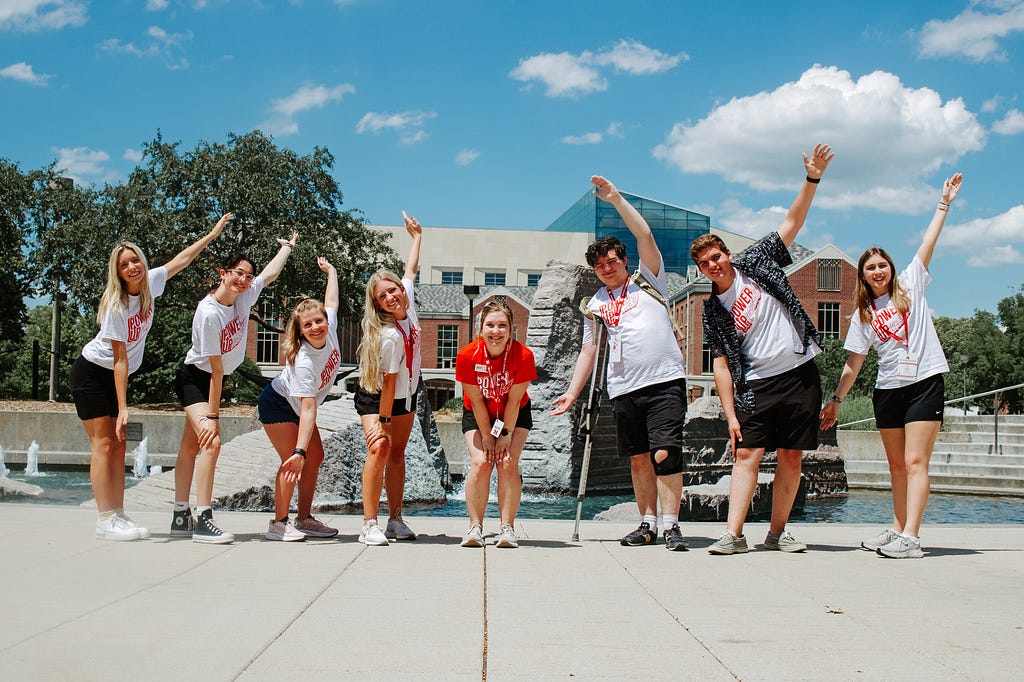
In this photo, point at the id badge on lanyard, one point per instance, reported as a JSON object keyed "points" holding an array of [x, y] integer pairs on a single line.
{"points": [[409, 342], [614, 331], [614, 344], [907, 367]]}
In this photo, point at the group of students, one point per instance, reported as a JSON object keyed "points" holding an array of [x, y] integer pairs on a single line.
{"points": [[495, 371], [762, 341]]}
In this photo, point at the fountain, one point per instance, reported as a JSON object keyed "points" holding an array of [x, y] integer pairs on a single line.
{"points": [[156, 470], [32, 460], [3, 467], [141, 456]]}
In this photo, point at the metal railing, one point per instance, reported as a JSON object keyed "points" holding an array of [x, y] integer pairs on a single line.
{"points": [[995, 410]]}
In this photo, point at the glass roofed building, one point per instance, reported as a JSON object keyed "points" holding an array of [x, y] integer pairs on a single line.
{"points": [[674, 227]]}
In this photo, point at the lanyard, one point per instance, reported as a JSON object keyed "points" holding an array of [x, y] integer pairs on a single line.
{"points": [[493, 390], [883, 332], [409, 341], [616, 303]]}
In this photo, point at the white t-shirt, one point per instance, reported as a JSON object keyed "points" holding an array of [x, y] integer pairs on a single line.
{"points": [[313, 373], [126, 325], [392, 349], [222, 329], [888, 334], [650, 354], [770, 343]]}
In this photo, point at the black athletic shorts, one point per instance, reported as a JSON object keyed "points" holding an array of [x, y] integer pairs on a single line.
{"points": [[192, 385], [524, 421], [92, 387], [650, 418], [921, 401], [786, 409], [273, 408], [369, 403]]}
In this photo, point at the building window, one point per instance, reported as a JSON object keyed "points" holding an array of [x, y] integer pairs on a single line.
{"points": [[828, 320], [494, 278], [451, 277], [707, 363], [830, 272], [267, 341], [533, 279], [447, 345]]}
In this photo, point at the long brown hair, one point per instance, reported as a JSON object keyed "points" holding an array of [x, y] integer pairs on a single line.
{"points": [[374, 319], [863, 296]]}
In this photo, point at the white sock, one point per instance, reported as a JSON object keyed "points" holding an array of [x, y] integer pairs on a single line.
{"points": [[911, 538], [652, 521], [105, 516], [181, 506], [669, 520], [201, 509]]}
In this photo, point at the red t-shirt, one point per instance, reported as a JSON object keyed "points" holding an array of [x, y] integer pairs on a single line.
{"points": [[494, 376]]}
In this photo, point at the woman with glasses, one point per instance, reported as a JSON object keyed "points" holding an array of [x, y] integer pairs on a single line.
{"points": [[219, 330], [99, 377]]}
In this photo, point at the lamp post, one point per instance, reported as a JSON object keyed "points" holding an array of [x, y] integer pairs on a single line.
{"points": [[471, 291], [56, 184], [964, 359]]}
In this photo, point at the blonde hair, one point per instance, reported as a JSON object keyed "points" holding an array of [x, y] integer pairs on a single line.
{"points": [[494, 306], [374, 319], [863, 296], [115, 295], [292, 338]]}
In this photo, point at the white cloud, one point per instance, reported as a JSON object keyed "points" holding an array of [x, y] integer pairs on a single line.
{"points": [[284, 110], [887, 137], [633, 57], [133, 155], [120, 47], [161, 43], [1011, 124], [466, 157], [41, 15], [168, 39], [23, 72], [735, 217], [1004, 228], [973, 34], [990, 105], [83, 164], [409, 124], [156, 5], [614, 129], [995, 255], [569, 75]]}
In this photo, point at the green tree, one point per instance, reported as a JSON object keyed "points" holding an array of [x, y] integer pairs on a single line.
{"points": [[1011, 316], [76, 329], [16, 196], [831, 361]]}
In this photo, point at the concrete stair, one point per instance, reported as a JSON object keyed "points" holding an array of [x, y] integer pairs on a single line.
{"points": [[965, 458]]}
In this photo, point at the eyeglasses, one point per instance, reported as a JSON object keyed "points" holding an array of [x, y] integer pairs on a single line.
{"points": [[610, 263], [242, 275]]}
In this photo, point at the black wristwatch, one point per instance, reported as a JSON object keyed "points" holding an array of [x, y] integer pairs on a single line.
{"points": [[383, 420], [504, 432]]}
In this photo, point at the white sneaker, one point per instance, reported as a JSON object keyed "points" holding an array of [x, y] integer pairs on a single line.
{"points": [[114, 528], [507, 537], [143, 532], [284, 531], [474, 537], [371, 534], [398, 530]]}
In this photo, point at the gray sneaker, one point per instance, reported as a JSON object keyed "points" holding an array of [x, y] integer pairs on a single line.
{"points": [[784, 542], [883, 538], [507, 537], [901, 547], [729, 544], [474, 537]]}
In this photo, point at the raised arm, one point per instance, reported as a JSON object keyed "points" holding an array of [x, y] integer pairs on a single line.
{"points": [[331, 293], [646, 247], [415, 230], [276, 264], [815, 167], [950, 188], [183, 259]]}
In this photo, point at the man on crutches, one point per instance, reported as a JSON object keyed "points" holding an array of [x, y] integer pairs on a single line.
{"points": [[645, 375], [588, 419]]}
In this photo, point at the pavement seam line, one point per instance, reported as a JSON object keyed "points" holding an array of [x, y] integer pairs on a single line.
{"points": [[671, 615], [298, 615], [483, 669], [111, 603]]}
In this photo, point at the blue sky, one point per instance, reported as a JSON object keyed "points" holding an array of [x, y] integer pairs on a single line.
{"points": [[487, 114]]}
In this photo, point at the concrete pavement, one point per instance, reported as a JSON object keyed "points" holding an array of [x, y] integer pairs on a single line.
{"points": [[74, 607]]}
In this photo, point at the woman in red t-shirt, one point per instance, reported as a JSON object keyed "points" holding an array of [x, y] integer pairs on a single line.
{"points": [[495, 371]]}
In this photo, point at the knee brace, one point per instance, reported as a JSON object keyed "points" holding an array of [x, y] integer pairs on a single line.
{"points": [[672, 464]]}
